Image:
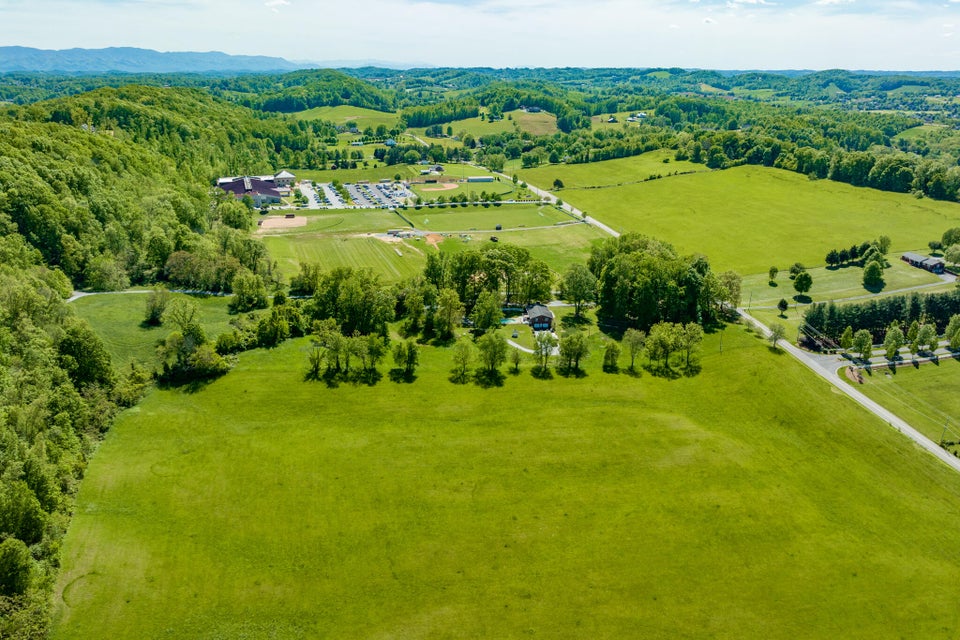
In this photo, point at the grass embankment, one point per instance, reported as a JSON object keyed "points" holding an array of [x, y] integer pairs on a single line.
{"points": [[747, 501], [748, 218]]}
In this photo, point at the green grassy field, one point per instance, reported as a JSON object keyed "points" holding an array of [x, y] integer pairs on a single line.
{"points": [[606, 173], [558, 246], [393, 261], [834, 284], [610, 506], [926, 397], [472, 218], [117, 319], [340, 221], [343, 114], [504, 188], [748, 218]]}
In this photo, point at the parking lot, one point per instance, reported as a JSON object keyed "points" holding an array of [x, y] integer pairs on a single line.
{"points": [[383, 195]]}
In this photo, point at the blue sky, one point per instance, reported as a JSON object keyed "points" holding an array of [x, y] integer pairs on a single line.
{"points": [[718, 34]]}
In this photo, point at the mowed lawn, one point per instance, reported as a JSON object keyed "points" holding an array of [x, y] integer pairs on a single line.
{"points": [[834, 283], [749, 501], [926, 397], [392, 260], [748, 218]]}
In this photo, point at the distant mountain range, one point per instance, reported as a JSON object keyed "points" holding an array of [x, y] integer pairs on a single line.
{"points": [[133, 60]]}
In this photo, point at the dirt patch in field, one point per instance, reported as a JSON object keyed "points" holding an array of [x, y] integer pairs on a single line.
{"points": [[434, 240], [854, 375], [282, 222], [446, 186]]}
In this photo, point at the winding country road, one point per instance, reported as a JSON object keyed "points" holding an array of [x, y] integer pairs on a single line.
{"points": [[822, 367]]}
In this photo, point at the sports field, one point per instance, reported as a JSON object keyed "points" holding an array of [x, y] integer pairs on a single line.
{"points": [[610, 506], [748, 218], [392, 260]]}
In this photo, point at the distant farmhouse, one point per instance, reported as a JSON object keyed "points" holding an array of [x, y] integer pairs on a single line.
{"points": [[263, 190], [933, 265]]}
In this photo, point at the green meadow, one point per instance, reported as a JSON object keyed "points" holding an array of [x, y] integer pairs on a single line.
{"points": [[606, 506], [830, 283], [748, 218], [608, 172], [343, 114], [118, 317]]}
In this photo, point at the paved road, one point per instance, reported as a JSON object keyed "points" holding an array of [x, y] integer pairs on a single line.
{"points": [[822, 367]]}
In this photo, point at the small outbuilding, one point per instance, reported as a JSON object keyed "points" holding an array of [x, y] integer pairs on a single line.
{"points": [[539, 317]]}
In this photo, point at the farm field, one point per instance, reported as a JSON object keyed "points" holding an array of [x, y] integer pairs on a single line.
{"points": [[392, 260], [607, 172], [117, 318], [748, 218], [266, 506], [542, 123], [343, 114], [926, 397]]}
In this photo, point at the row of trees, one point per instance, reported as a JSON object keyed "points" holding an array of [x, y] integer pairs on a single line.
{"points": [[876, 315], [920, 336]]}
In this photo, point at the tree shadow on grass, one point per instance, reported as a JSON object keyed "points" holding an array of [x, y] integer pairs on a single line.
{"points": [[541, 373], [194, 385], [570, 372], [658, 370], [876, 287], [777, 351], [771, 283], [459, 377], [486, 379], [802, 298], [692, 370], [402, 376], [571, 322]]}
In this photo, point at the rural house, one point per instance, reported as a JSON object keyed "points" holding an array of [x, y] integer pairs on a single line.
{"points": [[539, 317], [933, 265]]}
